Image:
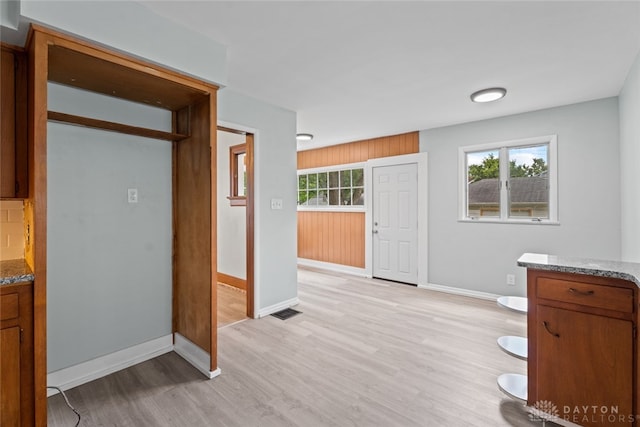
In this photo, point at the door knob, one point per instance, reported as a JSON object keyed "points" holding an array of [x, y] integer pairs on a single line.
{"points": [[375, 231]]}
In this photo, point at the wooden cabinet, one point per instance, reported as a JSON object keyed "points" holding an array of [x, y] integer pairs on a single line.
{"points": [[13, 129], [583, 347], [16, 357]]}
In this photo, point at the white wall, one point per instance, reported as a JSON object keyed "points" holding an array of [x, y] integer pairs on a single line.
{"points": [[232, 220], [275, 177], [109, 262], [10, 13], [478, 256], [629, 102], [131, 27]]}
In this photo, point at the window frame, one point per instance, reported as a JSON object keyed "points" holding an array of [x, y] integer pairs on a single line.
{"points": [[503, 147], [234, 175], [332, 208]]}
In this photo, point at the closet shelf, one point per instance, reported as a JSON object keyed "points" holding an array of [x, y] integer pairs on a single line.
{"points": [[114, 127]]}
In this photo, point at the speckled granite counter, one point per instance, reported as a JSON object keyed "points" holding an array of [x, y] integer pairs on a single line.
{"points": [[616, 269], [15, 271]]}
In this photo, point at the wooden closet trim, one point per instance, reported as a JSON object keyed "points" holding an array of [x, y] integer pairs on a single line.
{"points": [[41, 43], [93, 49], [113, 126]]}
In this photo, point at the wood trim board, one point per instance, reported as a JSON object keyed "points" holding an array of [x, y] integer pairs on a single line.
{"points": [[236, 282]]}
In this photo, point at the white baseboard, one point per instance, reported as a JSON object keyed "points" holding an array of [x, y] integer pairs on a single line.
{"points": [[99, 367], [338, 268], [460, 291], [193, 354], [263, 312]]}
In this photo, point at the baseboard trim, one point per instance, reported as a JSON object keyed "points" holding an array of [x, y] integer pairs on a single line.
{"points": [[338, 268], [266, 311], [99, 367], [193, 354], [236, 282], [460, 291]]}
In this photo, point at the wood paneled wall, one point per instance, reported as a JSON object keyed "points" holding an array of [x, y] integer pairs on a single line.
{"points": [[338, 237], [359, 151]]}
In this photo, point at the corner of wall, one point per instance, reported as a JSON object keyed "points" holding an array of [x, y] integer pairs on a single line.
{"points": [[629, 111]]}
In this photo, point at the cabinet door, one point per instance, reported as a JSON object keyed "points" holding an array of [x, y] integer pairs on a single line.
{"points": [[10, 377], [8, 125], [585, 366]]}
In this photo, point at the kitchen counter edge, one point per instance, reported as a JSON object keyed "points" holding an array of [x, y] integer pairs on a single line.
{"points": [[594, 267], [15, 271]]}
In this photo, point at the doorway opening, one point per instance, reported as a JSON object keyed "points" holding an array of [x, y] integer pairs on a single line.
{"points": [[235, 283]]}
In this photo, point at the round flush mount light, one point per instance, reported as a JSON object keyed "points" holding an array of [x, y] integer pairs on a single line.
{"points": [[488, 95], [304, 137]]}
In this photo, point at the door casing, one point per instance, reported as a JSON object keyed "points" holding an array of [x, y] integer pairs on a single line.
{"points": [[251, 138]]}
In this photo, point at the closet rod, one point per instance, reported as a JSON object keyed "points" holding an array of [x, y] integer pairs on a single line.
{"points": [[114, 127]]}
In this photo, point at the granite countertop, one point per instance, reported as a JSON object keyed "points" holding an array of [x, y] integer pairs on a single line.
{"points": [[15, 271], [595, 267]]}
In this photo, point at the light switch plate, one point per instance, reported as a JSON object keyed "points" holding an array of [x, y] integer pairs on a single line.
{"points": [[132, 195], [276, 204]]}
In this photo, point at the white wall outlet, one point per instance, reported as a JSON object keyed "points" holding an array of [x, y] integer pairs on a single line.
{"points": [[132, 195], [276, 204], [511, 279]]}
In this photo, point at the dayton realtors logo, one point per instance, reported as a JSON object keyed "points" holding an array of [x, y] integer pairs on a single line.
{"points": [[545, 410]]}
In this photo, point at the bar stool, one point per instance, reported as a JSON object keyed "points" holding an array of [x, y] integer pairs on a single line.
{"points": [[514, 385]]}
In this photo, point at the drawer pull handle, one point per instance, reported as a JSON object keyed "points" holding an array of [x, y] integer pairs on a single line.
{"points": [[579, 292], [546, 326]]}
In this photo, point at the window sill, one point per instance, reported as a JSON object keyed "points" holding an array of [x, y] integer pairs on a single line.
{"points": [[511, 221], [237, 200], [359, 209]]}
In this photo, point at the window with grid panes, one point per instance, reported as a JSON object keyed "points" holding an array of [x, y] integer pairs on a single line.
{"points": [[335, 187]]}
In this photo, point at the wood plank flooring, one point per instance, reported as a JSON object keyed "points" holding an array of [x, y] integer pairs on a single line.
{"points": [[363, 353], [232, 303]]}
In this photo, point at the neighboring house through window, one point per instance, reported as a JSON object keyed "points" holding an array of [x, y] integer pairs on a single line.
{"points": [[513, 181]]}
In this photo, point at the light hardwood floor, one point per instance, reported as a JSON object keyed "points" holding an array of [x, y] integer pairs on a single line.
{"points": [[232, 303], [363, 353]]}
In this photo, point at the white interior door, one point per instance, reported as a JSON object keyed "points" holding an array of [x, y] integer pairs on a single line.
{"points": [[395, 222]]}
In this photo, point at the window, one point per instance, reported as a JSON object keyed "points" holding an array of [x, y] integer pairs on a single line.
{"points": [[340, 187], [238, 175], [514, 181]]}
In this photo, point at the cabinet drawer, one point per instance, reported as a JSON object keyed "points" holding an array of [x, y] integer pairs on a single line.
{"points": [[587, 294], [9, 307]]}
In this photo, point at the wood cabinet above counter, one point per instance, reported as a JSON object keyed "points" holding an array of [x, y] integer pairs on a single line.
{"points": [[13, 131]]}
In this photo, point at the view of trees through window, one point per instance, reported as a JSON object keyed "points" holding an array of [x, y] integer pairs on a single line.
{"points": [[332, 188], [526, 183]]}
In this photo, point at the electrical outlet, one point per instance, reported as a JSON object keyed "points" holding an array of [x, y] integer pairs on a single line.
{"points": [[511, 279]]}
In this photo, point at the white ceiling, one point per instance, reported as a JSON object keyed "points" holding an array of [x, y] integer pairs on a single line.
{"points": [[361, 69]]}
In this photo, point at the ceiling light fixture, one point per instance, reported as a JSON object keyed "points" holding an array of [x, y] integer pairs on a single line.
{"points": [[488, 95], [304, 137]]}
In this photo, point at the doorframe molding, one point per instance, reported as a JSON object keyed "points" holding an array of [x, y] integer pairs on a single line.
{"points": [[421, 160], [253, 288]]}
